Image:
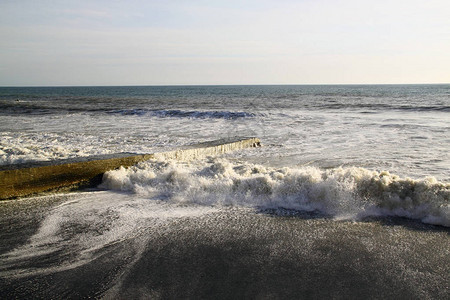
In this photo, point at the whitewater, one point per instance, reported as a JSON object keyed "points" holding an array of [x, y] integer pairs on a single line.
{"points": [[352, 193], [348, 196], [353, 151]]}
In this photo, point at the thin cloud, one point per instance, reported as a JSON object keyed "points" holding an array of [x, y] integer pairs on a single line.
{"points": [[325, 41]]}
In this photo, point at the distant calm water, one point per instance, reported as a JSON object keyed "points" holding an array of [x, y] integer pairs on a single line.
{"points": [[323, 145]]}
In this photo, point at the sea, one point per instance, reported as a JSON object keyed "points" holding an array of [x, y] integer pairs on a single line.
{"points": [[340, 153]]}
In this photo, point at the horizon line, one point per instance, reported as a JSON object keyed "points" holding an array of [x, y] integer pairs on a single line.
{"points": [[197, 85]]}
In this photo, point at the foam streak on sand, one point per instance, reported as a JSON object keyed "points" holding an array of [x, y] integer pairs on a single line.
{"points": [[79, 229], [353, 193], [121, 246]]}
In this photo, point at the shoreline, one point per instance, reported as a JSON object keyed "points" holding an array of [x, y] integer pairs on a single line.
{"points": [[227, 253]]}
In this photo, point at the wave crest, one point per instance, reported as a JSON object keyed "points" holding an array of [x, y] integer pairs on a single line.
{"points": [[341, 192], [176, 113]]}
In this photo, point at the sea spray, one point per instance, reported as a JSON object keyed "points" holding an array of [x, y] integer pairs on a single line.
{"points": [[351, 192]]}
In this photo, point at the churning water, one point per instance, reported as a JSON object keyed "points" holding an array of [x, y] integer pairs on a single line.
{"points": [[340, 150]]}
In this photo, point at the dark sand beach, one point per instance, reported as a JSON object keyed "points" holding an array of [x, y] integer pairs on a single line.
{"points": [[232, 253]]}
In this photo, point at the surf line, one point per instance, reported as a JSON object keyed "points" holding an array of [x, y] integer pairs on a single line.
{"points": [[21, 180]]}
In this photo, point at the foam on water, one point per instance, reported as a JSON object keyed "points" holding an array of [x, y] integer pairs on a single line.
{"points": [[84, 224], [18, 148], [403, 129], [340, 192]]}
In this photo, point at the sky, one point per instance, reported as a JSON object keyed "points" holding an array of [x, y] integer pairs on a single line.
{"points": [[52, 43]]}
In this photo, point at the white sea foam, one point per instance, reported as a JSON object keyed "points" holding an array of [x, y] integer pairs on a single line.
{"points": [[339, 192], [88, 222], [18, 148]]}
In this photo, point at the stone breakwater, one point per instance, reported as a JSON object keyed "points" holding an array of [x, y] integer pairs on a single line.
{"points": [[31, 178]]}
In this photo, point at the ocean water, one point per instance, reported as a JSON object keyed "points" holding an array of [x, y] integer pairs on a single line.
{"points": [[343, 151], [349, 195]]}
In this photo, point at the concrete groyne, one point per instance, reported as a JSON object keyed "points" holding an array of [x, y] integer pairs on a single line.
{"points": [[31, 178]]}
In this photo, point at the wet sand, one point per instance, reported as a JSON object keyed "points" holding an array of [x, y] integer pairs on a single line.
{"points": [[234, 253]]}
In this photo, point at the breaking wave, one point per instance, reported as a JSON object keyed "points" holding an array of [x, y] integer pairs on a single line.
{"points": [[384, 107], [353, 193], [175, 113], [43, 108]]}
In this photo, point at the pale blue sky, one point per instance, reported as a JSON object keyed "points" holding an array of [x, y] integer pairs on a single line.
{"points": [[224, 42]]}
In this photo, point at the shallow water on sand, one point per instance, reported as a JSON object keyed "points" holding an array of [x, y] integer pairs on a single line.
{"points": [[160, 250]]}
